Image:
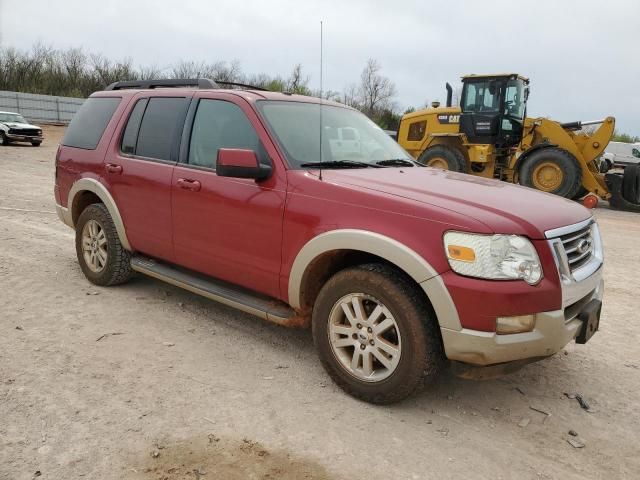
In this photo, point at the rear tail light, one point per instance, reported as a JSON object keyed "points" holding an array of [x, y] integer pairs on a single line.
{"points": [[57, 160]]}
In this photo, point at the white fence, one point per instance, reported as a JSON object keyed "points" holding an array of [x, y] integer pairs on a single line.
{"points": [[40, 108]]}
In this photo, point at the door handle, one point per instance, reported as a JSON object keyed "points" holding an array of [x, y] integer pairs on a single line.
{"points": [[191, 185], [113, 168]]}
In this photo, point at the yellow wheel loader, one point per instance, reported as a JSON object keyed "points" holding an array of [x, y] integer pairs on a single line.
{"points": [[489, 135]]}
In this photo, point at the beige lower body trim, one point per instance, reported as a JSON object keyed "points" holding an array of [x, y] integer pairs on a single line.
{"points": [[64, 215], [551, 333]]}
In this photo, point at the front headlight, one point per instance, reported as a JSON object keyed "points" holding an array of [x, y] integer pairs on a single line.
{"points": [[495, 257]]}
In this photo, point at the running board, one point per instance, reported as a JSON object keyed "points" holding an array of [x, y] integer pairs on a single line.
{"points": [[237, 297]]}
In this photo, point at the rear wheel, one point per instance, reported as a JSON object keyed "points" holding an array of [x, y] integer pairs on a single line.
{"points": [[102, 258], [443, 157], [552, 170], [3, 139], [375, 334], [631, 184]]}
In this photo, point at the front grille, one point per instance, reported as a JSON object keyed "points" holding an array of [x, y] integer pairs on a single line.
{"points": [[29, 132], [578, 246]]}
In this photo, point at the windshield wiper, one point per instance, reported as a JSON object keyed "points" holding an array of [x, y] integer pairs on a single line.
{"points": [[396, 162], [340, 164]]}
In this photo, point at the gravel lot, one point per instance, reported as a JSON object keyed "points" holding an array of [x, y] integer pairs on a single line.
{"points": [[145, 381]]}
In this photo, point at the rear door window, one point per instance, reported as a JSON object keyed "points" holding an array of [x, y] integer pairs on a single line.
{"points": [[90, 122], [159, 127], [130, 136]]}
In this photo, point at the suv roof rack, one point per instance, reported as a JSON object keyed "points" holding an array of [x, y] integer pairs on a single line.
{"points": [[200, 83], [241, 85]]}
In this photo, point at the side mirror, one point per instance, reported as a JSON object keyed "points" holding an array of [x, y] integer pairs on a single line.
{"points": [[238, 163]]}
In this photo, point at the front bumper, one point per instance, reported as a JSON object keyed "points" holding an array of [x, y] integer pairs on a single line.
{"points": [[553, 329], [24, 138], [552, 332]]}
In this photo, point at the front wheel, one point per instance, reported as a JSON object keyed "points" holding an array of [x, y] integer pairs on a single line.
{"points": [[103, 259], [552, 170], [4, 141], [36, 143], [375, 333]]}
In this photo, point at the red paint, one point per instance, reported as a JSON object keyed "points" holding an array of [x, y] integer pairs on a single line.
{"points": [[233, 157], [249, 232]]}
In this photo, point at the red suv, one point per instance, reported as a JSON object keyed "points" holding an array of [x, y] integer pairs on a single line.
{"points": [[305, 213]]}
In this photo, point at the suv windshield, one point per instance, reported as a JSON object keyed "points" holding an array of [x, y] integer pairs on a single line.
{"points": [[12, 117], [347, 135]]}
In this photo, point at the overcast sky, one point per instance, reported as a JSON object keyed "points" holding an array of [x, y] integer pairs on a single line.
{"points": [[583, 57]]}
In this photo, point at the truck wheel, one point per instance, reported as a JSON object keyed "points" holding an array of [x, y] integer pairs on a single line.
{"points": [[444, 158], [36, 143], [102, 258], [631, 184], [552, 170], [376, 336]]}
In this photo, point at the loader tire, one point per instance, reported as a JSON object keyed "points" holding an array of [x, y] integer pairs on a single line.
{"points": [[631, 184], [444, 158], [552, 170]]}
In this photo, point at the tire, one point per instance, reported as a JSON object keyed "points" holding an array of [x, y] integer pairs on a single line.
{"points": [[36, 144], [414, 333], [631, 184], [552, 170], [443, 157], [112, 262], [581, 193], [4, 141]]}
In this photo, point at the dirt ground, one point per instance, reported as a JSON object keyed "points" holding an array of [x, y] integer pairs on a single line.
{"points": [[146, 381]]}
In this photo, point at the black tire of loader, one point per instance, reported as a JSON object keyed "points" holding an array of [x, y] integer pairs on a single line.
{"points": [[631, 184], [454, 158]]}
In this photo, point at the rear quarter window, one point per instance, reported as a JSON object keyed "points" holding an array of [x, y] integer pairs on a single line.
{"points": [[90, 122]]}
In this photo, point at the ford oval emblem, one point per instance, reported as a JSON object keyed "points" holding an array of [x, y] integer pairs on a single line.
{"points": [[583, 246]]}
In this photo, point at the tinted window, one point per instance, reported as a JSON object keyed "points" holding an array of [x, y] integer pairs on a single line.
{"points": [[636, 152], [89, 123], [158, 127], [483, 96], [130, 136], [416, 131], [219, 124]]}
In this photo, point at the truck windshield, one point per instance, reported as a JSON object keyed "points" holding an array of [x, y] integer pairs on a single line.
{"points": [[482, 96], [514, 99], [347, 135], [12, 117]]}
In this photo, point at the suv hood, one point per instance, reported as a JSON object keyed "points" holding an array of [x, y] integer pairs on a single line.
{"points": [[501, 206]]}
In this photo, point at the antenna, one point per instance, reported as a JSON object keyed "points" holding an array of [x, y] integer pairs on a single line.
{"points": [[321, 93]]}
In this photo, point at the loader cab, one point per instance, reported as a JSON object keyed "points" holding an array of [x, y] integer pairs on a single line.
{"points": [[493, 108]]}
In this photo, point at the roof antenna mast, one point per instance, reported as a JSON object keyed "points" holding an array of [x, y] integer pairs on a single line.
{"points": [[321, 93]]}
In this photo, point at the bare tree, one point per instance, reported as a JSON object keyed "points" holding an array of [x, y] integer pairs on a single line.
{"points": [[376, 91]]}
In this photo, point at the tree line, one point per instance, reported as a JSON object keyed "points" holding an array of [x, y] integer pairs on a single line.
{"points": [[76, 73]]}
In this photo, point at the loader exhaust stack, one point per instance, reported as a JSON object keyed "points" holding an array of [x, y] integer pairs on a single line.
{"points": [[449, 94]]}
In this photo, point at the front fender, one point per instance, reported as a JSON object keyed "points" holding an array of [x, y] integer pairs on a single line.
{"points": [[382, 246]]}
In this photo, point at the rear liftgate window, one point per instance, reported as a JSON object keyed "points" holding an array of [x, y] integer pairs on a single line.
{"points": [[89, 123]]}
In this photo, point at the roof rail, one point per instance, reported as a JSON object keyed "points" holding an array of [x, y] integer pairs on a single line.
{"points": [[200, 83], [241, 85]]}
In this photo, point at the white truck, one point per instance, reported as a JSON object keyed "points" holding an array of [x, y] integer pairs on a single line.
{"points": [[621, 154], [14, 128]]}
